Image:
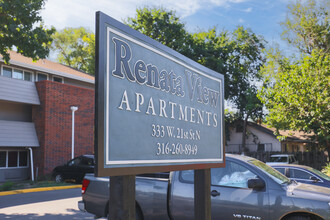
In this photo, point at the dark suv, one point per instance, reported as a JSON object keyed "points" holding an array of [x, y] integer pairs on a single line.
{"points": [[74, 169]]}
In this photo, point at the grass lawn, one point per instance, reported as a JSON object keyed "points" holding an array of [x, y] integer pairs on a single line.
{"points": [[7, 186]]}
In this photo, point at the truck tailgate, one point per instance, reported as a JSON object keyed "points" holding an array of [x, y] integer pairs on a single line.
{"points": [[97, 195], [151, 196]]}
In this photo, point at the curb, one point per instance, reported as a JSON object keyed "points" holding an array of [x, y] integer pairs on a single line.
{"points": [[19, 191]]}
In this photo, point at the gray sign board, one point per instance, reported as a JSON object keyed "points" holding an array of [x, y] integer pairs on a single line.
{"points": [[156, 110]]}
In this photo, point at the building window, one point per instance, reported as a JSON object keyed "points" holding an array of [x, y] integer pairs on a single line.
{"points": [[261, 147], [58, 79], [3, 159], [6, 72], [23, 158], [17, 74], [12, 159], [42, 77], [285, 148], [27, 76]]}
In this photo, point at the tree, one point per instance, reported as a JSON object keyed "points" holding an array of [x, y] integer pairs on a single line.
{"points": [[307, 26], [238, 55], [18, 28], [298, 97], [75, 48], [250, 108], [162, 26], [296, 90]]}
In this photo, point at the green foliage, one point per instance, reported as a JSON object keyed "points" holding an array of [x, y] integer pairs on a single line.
{"points": [[18, 27], [76, 48], [237, 55], [6, 186], [307, 25], [296, 90], [296, 93], [326, 169], [30, 184], [162, 26]]}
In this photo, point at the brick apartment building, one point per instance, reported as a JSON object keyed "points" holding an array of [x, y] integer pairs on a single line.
{"points": [[36, 116]]}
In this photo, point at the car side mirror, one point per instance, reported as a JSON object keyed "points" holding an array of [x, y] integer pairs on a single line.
{"points": [[257, 184], [314, 179]]}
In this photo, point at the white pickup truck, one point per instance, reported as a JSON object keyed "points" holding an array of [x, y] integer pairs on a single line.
{"points": [[245, 189]]}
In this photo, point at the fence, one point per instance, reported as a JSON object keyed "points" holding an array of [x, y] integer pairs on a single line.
{"points": [[315, 159]]}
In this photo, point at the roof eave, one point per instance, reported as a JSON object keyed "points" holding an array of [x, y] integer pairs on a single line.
{"points": [[46, 70]]}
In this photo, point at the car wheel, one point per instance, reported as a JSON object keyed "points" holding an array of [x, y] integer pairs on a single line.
{"points": [[58, 178]]}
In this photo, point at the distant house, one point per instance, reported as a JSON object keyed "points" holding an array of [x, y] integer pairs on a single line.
{"points": [[36, 116], [262, 138]]}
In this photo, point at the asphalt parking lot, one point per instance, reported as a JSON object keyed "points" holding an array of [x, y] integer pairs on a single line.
{"points": [[50, 205]]}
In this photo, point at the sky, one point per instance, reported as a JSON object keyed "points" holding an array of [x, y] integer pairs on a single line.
{"points": [[263, 17]]}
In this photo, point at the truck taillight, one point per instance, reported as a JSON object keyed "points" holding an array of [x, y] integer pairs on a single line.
{"points": [[84, 186]]}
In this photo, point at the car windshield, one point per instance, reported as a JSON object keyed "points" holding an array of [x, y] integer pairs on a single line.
{"points": [[319, 173], [279, 159], [271, 172]]}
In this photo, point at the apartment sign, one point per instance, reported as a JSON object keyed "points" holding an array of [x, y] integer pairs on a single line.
{"points": [[156, 110]]}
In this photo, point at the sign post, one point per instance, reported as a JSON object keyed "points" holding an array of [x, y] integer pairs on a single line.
{"points": [[202, 191], [122, 198], [156, 110]]}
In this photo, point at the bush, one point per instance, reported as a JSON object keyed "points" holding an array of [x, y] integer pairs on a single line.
{"points": [[326, 169], [6, 186]]}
